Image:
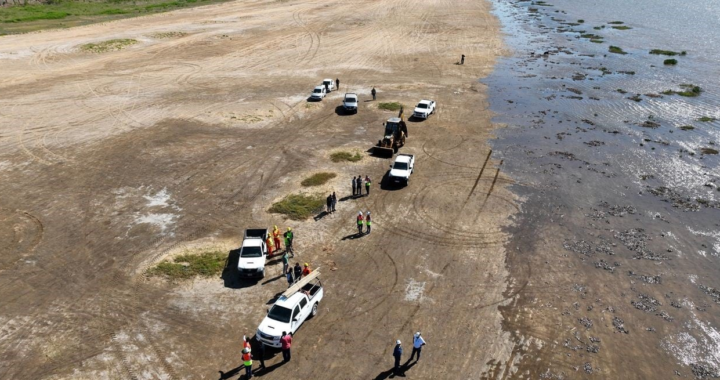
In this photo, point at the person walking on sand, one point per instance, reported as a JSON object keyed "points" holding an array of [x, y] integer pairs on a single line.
{"points": [[285, 344], [247, 362], [368, 223], [418, 343], [328, 203], [334, 201], [397, 353], [358, 185], [373, 92], [354, 186], [337, 83], [360, 222], [276, 237], [367, 185], [462, 59], [297, 271]]}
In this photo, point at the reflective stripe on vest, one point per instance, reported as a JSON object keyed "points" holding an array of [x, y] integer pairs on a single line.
{"points": [[248, 363]]}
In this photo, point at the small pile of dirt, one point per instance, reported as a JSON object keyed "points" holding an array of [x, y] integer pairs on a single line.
{"points": [[585, 321]]}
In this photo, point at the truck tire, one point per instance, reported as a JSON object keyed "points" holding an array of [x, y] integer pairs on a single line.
{"points": [[314, 310]]}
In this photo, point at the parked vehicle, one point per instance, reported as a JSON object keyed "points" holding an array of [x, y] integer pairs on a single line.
{"points": [[330, 84], [298, 304], [350, 103], [402, 168], [424, 109], [253, 253], [318, 93]]}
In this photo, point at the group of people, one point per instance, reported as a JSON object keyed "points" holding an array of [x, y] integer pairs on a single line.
{"points": [[364, 221], [273, 242], [331, 202], [296, 273], [357, 185], [418, 343], [247, 356]]}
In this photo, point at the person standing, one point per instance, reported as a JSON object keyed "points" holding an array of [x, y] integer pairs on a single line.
{"points": [[368, 222], [289, 242], [397, 353], [373, 92], [402, 111], [285, 344], [262, 356], [418, 343], [276, 237], [289, 276], [334, 201], [307, 270], [354, 186], [462, 59], [328, 203], [297, 271], [358, 185], [270, 245], [247, 362], [367, 185], [337, 83], [360, 222], [285, 261], [327, 88], [246, 343]]}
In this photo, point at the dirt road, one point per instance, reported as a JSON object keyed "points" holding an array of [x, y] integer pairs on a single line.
{"points": [[111, 162]]}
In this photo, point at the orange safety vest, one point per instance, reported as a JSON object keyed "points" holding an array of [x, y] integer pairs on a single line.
{"points": [[247, 360]]}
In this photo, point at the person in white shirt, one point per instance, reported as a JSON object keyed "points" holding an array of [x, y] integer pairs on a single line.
{"points": [[418, 343]]}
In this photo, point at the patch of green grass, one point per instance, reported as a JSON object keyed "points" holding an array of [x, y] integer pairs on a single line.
{"points": [[109, 45], [690, 91], [580, 21], [298, 206], [597, 40], [392, 106], [345, 156], [708, 151], [616, 50], [318, 179], [620, 90], [687, 128], [114, 11], [187, 266], [621, 27], [616, 23], [31, 13], [670, 62], [706, 119], [667, 52]]}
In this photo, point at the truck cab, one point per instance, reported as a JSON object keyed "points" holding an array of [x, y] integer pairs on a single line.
{"points": [[318, 93], [253, 254], [402, 168], [295, 306]]}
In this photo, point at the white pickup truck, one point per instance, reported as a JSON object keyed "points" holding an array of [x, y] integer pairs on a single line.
{"points": [[350, 102], [318, 93], [298, 304], [330, 84], [424, 109], [251, 263], [402, 168]]}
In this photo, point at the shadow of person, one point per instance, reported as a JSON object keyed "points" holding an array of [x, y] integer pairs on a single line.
{"points": [[354, 236], [343, 199], [385, 375], [320, 215], [230, 373]]}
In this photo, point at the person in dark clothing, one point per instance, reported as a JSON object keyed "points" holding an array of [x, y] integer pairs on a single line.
{"points": [[462, 59], [358, 185], [328, 203], [354, 184], [262, 356], [327, 89], [297, 271], [373, 93], [334, 201], [337, 83], [403, 128], [289, 276], [397, 353]]}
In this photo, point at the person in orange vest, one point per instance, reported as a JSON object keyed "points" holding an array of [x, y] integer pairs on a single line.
{"points": [[246, 343], [307, 270], [270, 245], [247, 362], [360, 223], [276, 236]]}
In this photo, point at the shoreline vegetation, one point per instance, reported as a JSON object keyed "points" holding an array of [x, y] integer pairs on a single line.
{"points": [[32, 17]]}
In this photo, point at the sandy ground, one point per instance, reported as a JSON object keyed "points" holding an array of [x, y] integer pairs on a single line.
{"points": [[111, 162]]}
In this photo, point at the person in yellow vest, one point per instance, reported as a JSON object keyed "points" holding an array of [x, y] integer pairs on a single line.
{"points": [[276, 237], [367, 185], [247, 362], [270, 245]]}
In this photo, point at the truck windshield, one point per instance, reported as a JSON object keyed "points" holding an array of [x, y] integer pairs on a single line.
{"points": [[280, 314], [390, 128], [251, 252], [422, 105], [317, 90], [400, 166]]}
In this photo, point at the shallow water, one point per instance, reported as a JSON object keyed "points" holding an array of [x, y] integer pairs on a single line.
{"points": [[580, 150]]}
